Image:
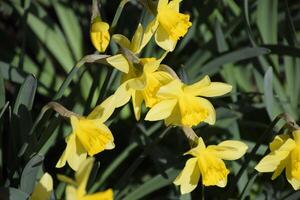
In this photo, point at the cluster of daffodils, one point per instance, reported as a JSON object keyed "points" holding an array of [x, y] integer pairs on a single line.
{"points": [[148, 82]]}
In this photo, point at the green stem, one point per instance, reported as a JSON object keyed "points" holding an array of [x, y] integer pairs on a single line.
{"points": [[117, 15]]}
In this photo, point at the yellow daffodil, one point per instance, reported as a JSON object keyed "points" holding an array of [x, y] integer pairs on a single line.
{"points": [[89, 136], [76, 189], [141, 83], [285, 154], [168, 25], [181, 105], [208, 163], [43, 189], [99, 34]]}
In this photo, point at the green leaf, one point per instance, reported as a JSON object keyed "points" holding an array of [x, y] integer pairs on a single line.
{"points": [[214, 65], [267, 20], [71, 27], [12, 194], [268, 91], [155, 183], [26, 94], [51, 38], [29, 174], [248, 187], [11, 73]]}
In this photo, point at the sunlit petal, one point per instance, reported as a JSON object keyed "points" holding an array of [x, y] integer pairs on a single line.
{"points": [[119, 62], [188, 177], [270, 162], [161, 110], [229, 149]]}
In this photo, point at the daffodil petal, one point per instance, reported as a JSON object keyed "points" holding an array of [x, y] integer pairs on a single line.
{"points": [[174, 5], [82, 175], [279, 169], [74, 153], [229, 149], [222, 183], [104, 110], [137, 100], [211, 112], [121, 40], [270, 162], [189, 177], [137, 39], [71, 193], [161, 110], [296, 136], [122, 95], [119, 62], [292, 180], [196, 150], [278, 141], [204, 82], [43, 188], [162, 3], [164, 40], [213, 89], [149, 31], [170, 90]]}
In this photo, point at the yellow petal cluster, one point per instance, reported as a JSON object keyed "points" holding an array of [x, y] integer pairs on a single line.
{"points": [[168, 25], [76, 189], [43, 188], [99, 34], [141, 84], [89, 136], [207, 162], [183, 105], [285, 154]]}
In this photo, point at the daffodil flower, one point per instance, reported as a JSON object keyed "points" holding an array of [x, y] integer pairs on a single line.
{"points": [[89, 136], [141, 84], [43, 188], [285, 154], [76, 189], [181, 104], [168, 25], [208, 163]]}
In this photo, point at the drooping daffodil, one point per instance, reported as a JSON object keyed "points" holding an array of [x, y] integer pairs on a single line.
{"points": [[183, 105], [168, 25], [89, 135], [43, 188], [207, 163], [76, 189], [285, 154]]}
